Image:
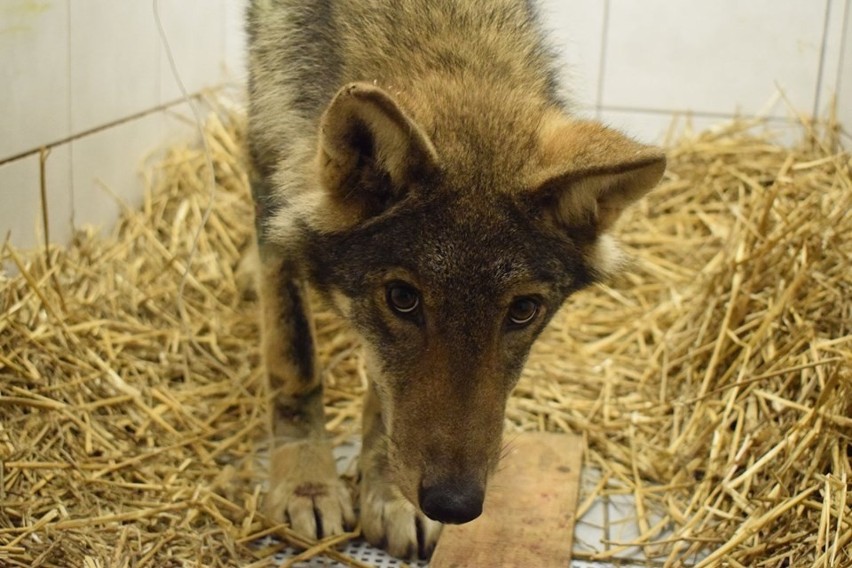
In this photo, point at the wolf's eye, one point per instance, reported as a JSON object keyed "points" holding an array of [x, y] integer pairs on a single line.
{"points": [[402, 298], [522, 311]]}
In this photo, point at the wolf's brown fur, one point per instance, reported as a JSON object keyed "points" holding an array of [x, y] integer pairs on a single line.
{"points": [[415, 163]]}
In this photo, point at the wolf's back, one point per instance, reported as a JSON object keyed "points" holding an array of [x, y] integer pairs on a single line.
{"points": [[302, 51], [294, 68]]}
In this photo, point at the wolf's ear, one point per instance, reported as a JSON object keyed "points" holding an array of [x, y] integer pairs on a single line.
{"points": [[370, 150], [590, 174]]}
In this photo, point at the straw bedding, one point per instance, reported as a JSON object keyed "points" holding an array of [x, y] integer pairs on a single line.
{"points": [[712, 380]]}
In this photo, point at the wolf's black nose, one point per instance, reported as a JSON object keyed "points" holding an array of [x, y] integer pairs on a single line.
{"points": [[454, 501]]}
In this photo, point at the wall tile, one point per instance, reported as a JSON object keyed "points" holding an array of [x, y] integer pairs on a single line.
{"points": [[20, 199], [236, 48], [665, 129], [107, 167], [832, 55], [20, 205], [58, 186], [34, 74], [712, 57], [844, 87], [576, 29], [195, 30], [656, 127], [114, 61]]}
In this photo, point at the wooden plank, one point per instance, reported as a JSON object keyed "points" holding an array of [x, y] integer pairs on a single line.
{"points": [[528, 515]]}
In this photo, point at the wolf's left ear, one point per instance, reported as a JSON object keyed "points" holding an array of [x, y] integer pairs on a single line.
{"points": [[590, 173], [370, 150]]}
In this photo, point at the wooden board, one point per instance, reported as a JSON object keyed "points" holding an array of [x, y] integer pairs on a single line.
{"points": [[529, 510]]}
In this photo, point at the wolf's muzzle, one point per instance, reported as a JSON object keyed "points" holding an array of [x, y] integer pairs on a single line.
{"points": [[454, 501]]}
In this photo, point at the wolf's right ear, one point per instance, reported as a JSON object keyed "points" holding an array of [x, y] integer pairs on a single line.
{"points": [[369, 151], [590, 173]]}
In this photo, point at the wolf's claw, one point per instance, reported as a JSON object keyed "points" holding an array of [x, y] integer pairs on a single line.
{"points": [[390, 522], [306, 492]]}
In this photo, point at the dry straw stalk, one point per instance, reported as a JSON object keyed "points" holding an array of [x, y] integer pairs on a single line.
{"points": [[712, 381]]}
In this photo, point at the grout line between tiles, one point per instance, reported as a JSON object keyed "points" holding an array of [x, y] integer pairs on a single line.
{"points": [[606, 523], [821, 63], [844, 38], [158, 76], [602, 61], [69, 102]]}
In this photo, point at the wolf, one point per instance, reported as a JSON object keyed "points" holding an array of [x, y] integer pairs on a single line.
{"points": [[416, 164]]}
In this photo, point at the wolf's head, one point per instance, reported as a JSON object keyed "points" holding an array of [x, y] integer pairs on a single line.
{"points": [[449, 248]]}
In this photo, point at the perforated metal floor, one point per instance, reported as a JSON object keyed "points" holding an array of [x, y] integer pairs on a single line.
{"points": [[358, 550]]}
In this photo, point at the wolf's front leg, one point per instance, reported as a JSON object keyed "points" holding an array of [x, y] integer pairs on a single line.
{"points": [[305, 489], [388, 519]]}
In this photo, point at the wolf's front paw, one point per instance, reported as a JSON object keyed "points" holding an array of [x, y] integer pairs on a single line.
{"points": [[390, 522], [306, 492]]}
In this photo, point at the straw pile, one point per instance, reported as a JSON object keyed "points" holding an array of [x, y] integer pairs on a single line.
{"points": [[712, 381]]}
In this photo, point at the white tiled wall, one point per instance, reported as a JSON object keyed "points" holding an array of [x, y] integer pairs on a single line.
{"points": [[577, 29], [90, 79], [188, 25], [112, 61], [689, 55], [647, 62], [844, 72], [34, 76]]}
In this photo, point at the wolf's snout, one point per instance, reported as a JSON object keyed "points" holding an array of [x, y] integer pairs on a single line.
{"points": [[455, 501]]}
